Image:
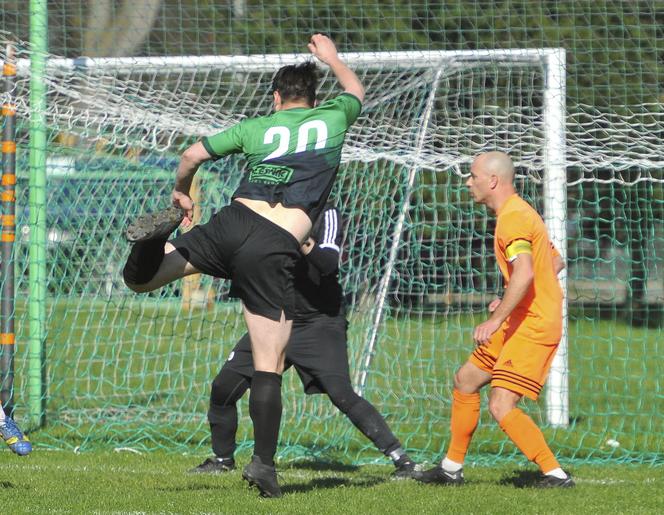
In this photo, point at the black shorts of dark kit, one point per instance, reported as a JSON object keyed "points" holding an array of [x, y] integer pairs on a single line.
{"points": [[317, 350], [257, 256]]}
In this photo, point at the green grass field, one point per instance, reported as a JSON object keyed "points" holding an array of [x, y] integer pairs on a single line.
{"points": [[128, 373], [133, 376], [110, 482]]}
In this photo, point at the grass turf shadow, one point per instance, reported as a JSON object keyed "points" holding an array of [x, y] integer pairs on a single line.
{"points": [[331, 482], [521, 478], [335, 466]]}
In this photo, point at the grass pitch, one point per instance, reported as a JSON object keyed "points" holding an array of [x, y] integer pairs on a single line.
{"points": [[112, 482], [136, 375]]}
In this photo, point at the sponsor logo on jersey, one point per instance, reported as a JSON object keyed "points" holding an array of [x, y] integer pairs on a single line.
{"points": [[270, 174]]}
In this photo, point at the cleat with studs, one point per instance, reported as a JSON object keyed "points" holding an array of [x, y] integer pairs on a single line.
{"points": [[263, 477], [155, 226]]}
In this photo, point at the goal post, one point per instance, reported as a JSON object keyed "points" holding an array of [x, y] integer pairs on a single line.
{"points": [[552, 61], [554, 193], [555, 217]]}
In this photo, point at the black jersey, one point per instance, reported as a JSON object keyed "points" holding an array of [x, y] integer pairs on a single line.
{"points": [[316, 277]]}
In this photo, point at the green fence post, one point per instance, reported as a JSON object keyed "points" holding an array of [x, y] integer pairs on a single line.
{"points": [[37, 203]]}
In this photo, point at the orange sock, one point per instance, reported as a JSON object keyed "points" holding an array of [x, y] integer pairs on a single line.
{"points": [[529, 439], [464, 419]]}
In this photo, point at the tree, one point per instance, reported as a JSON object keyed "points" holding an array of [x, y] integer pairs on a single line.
{"points": [[116, 34]]}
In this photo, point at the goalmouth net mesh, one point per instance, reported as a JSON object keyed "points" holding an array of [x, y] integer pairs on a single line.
{"points": [[417, 264]]}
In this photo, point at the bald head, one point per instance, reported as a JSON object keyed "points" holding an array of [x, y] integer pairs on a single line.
{"points": [[491, 179], [497, 163]]}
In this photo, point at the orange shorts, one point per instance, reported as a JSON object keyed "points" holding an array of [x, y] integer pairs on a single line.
{"points": [[515, 363]]}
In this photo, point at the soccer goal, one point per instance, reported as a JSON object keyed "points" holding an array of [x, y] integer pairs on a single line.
{"points": [[418, 263]]}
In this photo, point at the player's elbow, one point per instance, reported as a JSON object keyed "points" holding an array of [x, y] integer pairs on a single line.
{"points": [[526, 274], [195, 155], [329, 265], [357, 90], [190, 159]]}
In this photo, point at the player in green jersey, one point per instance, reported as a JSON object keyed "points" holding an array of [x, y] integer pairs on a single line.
{"points": [[293, 157]]}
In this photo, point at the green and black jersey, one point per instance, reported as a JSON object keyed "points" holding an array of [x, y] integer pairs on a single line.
{"points": [[293, 154]]}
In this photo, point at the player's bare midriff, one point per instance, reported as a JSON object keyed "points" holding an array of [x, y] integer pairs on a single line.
{"points": [[292, 219]]}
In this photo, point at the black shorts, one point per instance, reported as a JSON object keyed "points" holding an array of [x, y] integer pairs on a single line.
{"points": [[317, 349], [257, 255]]}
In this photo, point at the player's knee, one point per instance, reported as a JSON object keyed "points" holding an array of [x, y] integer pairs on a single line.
{"points": [[497, 409], [227, 388], [501, 405], [458, 380], [464, 382], [218, 395], [470, 379], [137, 288], [133, 281]]}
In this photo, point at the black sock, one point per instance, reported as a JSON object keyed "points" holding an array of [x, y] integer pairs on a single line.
{"points": [[227, 388], [265, 413], [367, 419], [143, 261], [223, 434]]}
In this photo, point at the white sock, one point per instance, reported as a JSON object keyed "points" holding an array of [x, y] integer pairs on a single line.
{"points": [[450, 466], [396, 454], [558, 472], [2, 414]]}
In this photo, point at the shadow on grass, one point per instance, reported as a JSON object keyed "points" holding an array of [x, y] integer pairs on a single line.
{"points": [[328, 482], [322, 465], [189, 487], [331, 482], [522, 478], [6, 484]]}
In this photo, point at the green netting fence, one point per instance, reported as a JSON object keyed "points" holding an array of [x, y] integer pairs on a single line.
{"points": [[126, 370]]}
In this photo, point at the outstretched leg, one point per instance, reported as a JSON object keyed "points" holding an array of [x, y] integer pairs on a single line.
{"points": [[525, 434], [153, 264], [366, 418]]}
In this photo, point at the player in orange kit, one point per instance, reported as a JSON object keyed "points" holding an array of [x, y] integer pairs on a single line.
{"points": [[515, 346]]}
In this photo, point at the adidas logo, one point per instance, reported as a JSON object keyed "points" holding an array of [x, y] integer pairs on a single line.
{"points": [[508, 363]]}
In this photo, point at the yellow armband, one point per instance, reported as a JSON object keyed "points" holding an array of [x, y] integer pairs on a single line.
{"points": [[517, 247]]}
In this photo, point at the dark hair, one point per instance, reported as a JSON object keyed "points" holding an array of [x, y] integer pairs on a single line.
{"points": [[297, 81]]}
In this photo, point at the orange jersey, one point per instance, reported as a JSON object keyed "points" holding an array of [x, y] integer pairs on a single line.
{"points": [[520, 229]]}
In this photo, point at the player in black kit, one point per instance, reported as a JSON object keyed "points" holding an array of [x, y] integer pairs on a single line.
{"points": [[317, 350]]}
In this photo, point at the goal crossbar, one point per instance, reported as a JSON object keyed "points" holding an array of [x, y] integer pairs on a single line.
{"points": [[268, 62]]}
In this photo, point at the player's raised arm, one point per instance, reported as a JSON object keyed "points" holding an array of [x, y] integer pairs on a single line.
{"points": [[190, 160], [323, 48]]}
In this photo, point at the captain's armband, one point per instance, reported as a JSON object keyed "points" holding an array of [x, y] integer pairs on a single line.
{"points": [[518, 247]]}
